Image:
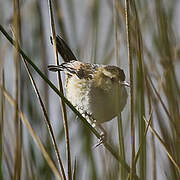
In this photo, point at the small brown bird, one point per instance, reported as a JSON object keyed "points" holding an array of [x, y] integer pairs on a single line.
{"points": [[97, 91]]}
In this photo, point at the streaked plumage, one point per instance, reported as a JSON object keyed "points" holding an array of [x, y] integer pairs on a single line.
{"points": [[97, 91]]}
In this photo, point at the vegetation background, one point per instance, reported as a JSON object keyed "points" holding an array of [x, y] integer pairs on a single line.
{"points": [[142, 37]]}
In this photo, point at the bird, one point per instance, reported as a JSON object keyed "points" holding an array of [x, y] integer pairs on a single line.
{"points": [[97, 91]]}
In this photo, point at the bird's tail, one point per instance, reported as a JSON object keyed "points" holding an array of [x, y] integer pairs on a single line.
{"points": [[64, 50]]}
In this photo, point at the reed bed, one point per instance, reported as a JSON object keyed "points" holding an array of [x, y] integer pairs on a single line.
{"points": [[42, 136]]}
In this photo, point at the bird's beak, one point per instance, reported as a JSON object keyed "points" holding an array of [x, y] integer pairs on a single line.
{"points": [[125, 83]]}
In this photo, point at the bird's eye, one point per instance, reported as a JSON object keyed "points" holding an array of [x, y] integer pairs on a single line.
{"points": [[113, 79], [90, 76]]}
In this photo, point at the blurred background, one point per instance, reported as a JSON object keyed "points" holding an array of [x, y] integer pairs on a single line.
{"points": [[96, 33]]}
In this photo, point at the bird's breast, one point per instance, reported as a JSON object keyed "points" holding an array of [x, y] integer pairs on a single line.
{"points": [[103, 101]]}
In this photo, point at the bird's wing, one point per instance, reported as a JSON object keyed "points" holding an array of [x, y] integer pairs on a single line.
{"points": [[80, 69]]}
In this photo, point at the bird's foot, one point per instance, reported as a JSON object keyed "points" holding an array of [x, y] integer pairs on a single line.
{"points": [[103, 136], [101, 140]]}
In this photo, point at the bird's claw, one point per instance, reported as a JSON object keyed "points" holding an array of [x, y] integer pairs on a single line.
{"points": [[101, 140]]}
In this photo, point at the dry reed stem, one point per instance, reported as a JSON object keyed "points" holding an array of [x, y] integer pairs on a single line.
{"points": [[32, 133], [164, 146], [63, 107], [47, 121], [132, 172]]}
